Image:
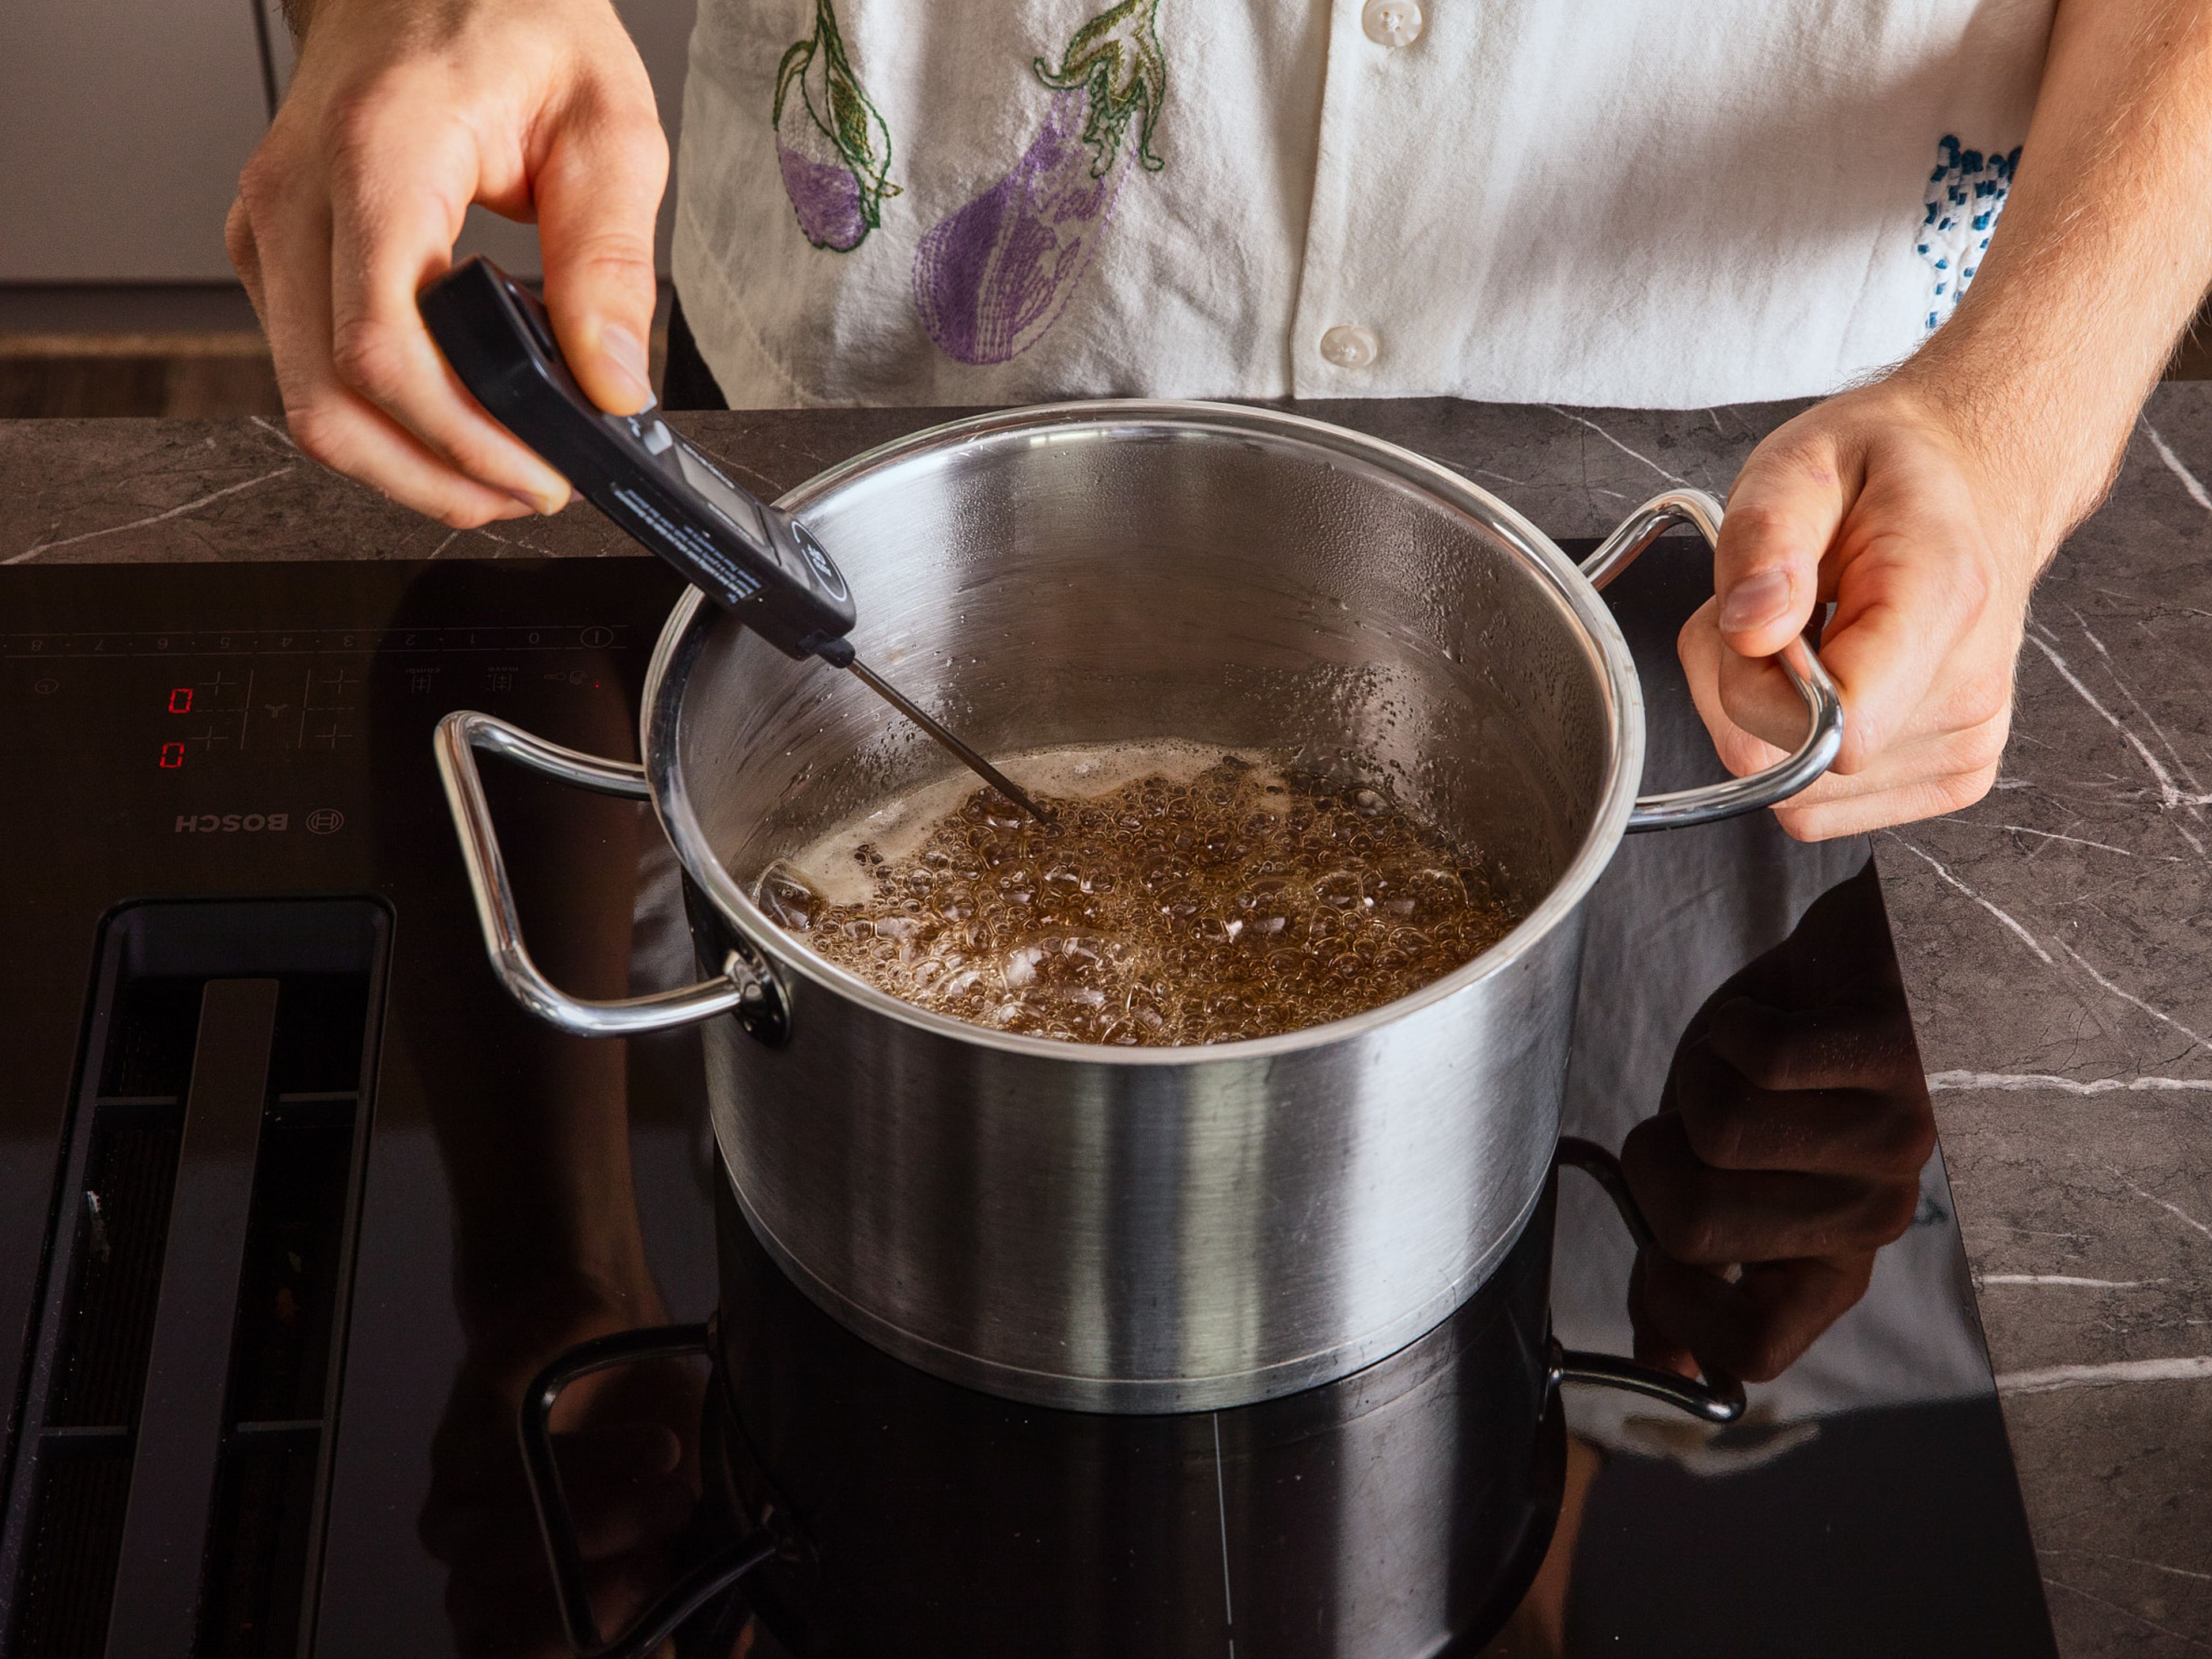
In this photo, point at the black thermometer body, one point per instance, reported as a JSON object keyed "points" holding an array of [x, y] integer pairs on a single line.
{"points": [[753, 558]]}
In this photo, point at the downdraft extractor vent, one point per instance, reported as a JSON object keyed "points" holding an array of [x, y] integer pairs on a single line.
{"points": [[167, 1491]]}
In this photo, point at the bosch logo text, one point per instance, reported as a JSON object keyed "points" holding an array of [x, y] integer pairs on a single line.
{"points": [[231, 823]]}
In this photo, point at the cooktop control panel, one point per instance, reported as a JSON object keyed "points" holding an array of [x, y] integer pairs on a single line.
{"points": [[268, 719], [177, 701]]}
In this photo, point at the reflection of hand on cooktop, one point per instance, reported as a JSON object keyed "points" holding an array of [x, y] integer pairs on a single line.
{"points": [[625, 1443], [1787, 1151]]}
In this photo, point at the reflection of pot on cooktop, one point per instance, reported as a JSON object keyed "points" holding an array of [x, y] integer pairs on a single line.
{"points": [[868, 1508], [277, 1412], [1384, 1514]]}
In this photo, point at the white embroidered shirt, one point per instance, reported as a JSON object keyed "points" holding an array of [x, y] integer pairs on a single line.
{"points": [[1628, 203]]}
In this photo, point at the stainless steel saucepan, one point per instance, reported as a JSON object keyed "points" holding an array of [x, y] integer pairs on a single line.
{"points": [[1145, 1229]]}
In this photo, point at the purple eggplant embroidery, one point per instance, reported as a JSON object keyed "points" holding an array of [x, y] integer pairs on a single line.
{"points": [[833, 147], [991, 278]]}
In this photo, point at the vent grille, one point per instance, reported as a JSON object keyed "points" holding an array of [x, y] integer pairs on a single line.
{"points": [[167, 1490]]}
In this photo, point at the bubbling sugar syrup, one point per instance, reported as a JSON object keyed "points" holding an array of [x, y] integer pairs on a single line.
{"points": [[1181, 895]]}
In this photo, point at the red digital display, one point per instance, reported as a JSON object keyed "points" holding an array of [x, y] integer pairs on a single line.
{"points": [[181, 700], [173, 755]]}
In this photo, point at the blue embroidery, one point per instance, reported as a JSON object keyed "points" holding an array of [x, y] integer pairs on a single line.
{"points": [[1966, 193]]}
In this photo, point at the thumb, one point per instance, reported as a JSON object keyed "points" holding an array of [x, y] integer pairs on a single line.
{"points": [[597, 192], [1782, 515]]}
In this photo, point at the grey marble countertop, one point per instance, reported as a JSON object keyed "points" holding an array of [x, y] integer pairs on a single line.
{"points": [[2055, 940]]}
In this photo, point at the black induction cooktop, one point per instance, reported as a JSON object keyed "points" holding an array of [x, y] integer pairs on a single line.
{"points": [[294, 1203]]}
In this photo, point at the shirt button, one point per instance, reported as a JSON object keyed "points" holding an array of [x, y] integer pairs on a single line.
{"points": [[1348, 346], [1392, 23]]}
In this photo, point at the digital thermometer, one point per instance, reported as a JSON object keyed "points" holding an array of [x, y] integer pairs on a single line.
{"points": [[753, 560]]}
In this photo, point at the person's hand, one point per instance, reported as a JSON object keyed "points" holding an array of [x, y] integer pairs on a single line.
{"points": [[1790, 1144], [401, 114], [1928, 546]]}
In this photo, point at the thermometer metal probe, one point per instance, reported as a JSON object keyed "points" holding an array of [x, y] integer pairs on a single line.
{"points": [[753, 560], [975, 763]]}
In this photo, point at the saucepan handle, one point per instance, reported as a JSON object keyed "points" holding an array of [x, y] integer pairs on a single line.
{"points": [[1719, 1398], [747, 988], [709, 1578], [1785, 777]]}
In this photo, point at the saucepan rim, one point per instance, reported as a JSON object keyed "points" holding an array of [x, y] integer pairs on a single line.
{"points": [[690, 625]]}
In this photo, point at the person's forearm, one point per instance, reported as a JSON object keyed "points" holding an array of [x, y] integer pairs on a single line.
{"points": [[2100, 256]]}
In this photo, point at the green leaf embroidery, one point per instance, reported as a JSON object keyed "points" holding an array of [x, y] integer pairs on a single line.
{"points": [[1115, 58]]}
